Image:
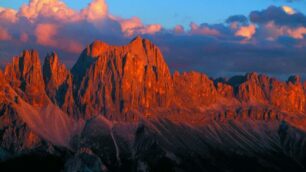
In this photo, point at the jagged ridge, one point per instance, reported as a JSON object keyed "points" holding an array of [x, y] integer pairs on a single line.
{"points": [[121, 82], [50, 105]]}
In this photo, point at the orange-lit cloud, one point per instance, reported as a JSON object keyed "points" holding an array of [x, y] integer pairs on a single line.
{"points": [[297, 33], [288, 10], [246, 31], [274, 31]]}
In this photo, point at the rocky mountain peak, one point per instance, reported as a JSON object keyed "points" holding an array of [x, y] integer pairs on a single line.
{"points": [[97, 48], [144, 48], [59, 84], [122, 82], [25, 65], [1, 75], [295, 79], [252, 76], [25, 76], [138, 42], [138, 38], [54, 71], [118, 79]]}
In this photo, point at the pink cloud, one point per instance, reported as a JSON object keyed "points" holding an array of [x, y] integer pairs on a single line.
{"points": [[151, 29], [8, 15], [47, 8], [45, 34], [203, 30], [58, 10], [129, 26], [24, 37], [4, 35], [273, 31], [134, 26], [70, 45], [179, 29], [52, 22]]}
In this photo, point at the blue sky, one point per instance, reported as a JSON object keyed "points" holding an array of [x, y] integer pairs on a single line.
{"points": [[172, 12]]}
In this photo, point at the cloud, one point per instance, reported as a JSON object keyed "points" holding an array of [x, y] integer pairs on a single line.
{"points": [[203, 30], [46, 8], [237, 18], [24, 37], [246, 31], [7, 15], [135, 26], [96, 10], [45, 34], [179, 29], [51, 23], [4, 35], [242, 43], [297, 33], [280, 16], [288, 10]]}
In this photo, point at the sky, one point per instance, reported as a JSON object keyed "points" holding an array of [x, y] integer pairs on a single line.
{"points": [[220, 38], [172, 12]]}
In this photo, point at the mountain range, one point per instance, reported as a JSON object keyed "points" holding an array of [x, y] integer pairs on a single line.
{"points": [[120, 108]]}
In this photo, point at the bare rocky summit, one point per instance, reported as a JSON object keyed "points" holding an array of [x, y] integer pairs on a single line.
{"points": [[120, 108]]}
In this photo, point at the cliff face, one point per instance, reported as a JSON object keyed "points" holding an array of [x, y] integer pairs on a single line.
{"points": [[243, 118], [194, 89], [115, 80], [59, 84], [133, 81], [25, 77], [261, 90], [15, 135]]}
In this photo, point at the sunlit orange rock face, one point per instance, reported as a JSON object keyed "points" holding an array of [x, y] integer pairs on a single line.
{"points": [[133, 81], [262, 90], [15, 134], [194, 89], [114, 80], [58, 82], [25, 76]]}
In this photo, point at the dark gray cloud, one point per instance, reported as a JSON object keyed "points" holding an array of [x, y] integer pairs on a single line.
{"points": [[279, 16], [237, 18]]}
